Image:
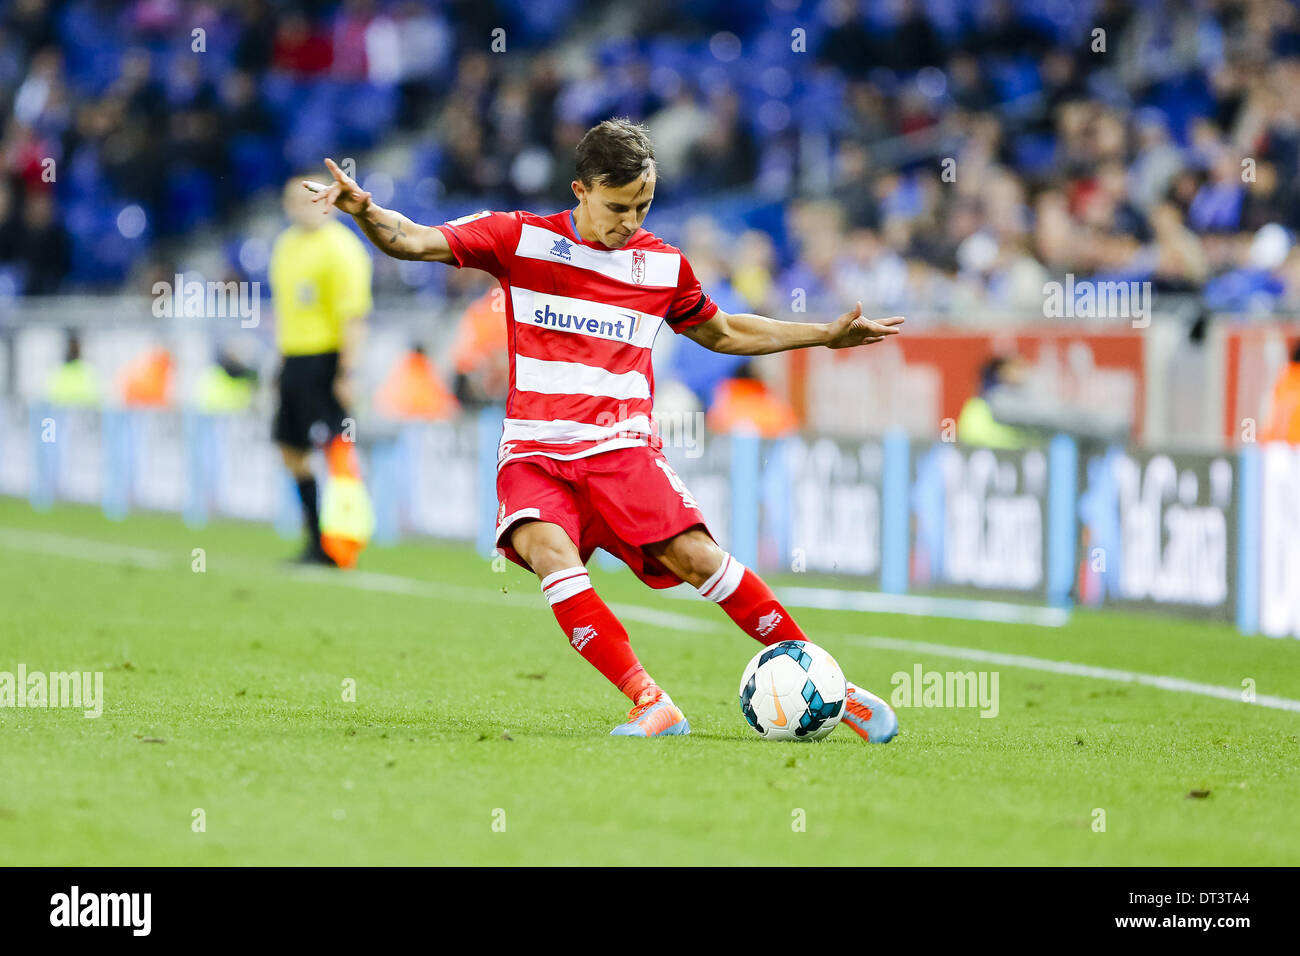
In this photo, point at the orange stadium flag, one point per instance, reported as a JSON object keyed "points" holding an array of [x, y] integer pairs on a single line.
{"points": [[347, 518]]}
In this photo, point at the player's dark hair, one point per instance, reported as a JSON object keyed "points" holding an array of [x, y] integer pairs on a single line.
{"points": [[614, 153]]}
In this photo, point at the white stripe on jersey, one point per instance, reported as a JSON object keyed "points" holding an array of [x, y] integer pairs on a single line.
{"points": [[565, 432], [660, 268], [574, 378], [508, 454], [585, 317]]}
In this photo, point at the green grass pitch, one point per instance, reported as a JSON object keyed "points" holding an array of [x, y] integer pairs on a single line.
{"points": [[477, 736]]}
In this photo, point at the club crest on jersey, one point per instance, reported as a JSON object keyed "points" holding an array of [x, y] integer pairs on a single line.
{"points": [[581, 635], [563, 249], [638, 266]]}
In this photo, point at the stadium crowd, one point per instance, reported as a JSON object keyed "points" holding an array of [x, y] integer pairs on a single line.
{"points": [[950, 155]]}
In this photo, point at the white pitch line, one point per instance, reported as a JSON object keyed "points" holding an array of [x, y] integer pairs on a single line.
{"points": [[1071, 669], [86, 549], [966, 609], [101, 552], [107, 553], [669, 619], [396, 584]]}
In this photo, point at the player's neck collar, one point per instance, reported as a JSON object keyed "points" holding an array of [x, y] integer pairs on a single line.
{"points": [[573, 225]]}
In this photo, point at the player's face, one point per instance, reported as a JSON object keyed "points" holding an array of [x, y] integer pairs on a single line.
{"points": [[614, 213]]}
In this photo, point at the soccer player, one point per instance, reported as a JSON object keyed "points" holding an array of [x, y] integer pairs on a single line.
{"points": [[579, 466], [320, 286]]}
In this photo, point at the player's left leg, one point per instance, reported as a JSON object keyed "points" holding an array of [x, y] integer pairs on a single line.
{"points": [[542, 525], [696, 558], [597, 634]]}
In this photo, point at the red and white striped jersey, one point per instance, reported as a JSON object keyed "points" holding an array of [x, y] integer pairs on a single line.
{"points": [[581, 319]]}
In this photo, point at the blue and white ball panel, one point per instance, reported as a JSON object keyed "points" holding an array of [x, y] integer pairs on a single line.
{"points": [[793, 690]]}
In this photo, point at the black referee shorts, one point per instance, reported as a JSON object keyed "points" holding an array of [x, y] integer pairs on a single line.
{"points": [[309, 414]]}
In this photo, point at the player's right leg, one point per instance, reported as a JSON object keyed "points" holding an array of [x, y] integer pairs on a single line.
{"points": [[639, 497], [694, 557], [592, 629]]}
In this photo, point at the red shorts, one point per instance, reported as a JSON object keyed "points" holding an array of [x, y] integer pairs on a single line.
{"points": [[617, 500]]}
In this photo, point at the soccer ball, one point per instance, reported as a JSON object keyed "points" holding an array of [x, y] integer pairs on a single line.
{"points": [[793, 690]]}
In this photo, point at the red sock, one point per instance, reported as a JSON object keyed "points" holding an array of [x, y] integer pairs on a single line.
{"points": [[750, 603], [594, 631]]}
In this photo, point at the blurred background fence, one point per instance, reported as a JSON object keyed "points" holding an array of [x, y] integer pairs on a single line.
{"points": [[995, 171]]}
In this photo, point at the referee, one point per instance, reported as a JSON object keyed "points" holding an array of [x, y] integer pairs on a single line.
{"points": [[320, 286]]}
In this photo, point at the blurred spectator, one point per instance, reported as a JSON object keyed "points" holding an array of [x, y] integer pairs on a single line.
{"points": [[726, 155], [44, 245], [976, 425], [147, 380], [1283, 419], [479, 353], [31, 22], [746, 403], [848, 45], [410, 49], [1180, 261], [226, 386], [243, 108], [675, 129], [752, 262], [11, 229], [413, 391], [73, 383], [702, 370], [350, 40], [969, 148], [299, 47]]}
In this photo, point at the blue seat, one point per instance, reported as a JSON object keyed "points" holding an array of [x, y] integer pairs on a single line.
{"points": [[255, 161], [191, 200], [366, 112]]}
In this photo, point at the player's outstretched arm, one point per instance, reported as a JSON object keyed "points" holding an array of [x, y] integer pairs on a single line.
{"points": [[748, 334], [389, 230]]}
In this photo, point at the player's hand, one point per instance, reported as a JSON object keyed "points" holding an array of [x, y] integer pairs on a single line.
{"points": [[854, 328], [343, 194], [345, 389]]}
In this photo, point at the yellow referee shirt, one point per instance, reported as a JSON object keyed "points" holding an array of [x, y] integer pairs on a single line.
{"points": [[320, 279]]}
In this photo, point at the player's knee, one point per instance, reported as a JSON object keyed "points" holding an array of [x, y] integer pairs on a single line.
{"points": [[696, 557], [547, 558], [545, 549], [296, 461]]}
